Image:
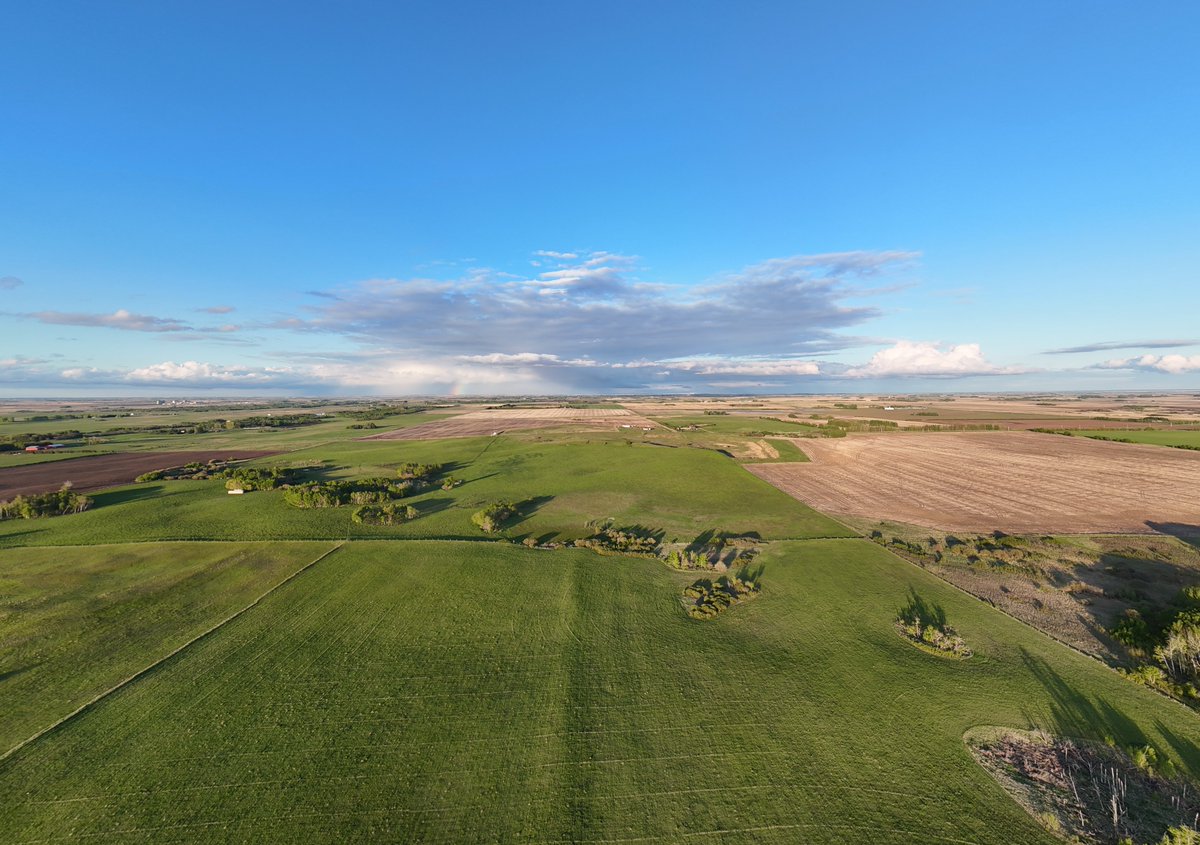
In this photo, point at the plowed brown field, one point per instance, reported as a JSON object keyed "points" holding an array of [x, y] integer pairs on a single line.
{"points": [[1016, 482], [92, 473], [485, 423]]}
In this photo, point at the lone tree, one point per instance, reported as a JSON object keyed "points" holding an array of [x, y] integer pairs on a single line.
{"points": [[493, 517]]}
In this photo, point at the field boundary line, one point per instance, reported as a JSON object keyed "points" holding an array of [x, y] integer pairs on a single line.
{"points": [[145, 670]]}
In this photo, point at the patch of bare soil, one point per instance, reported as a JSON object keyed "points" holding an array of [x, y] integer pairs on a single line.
{"points": [[94, 473], [1086, 792], [499, 421], [1016, 482], [751, 450]]}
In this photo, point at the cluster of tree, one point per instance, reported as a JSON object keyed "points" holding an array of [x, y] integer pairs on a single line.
{"points": [[704, 599], [924, 625], [716, 413], [195, 471], [630, 540], [17, 442], [689, 559], [419, 472], [58, 503], [390, 513], [258, 478], [378, 412], [492, 518], [1167, 642], [362, 425], [334, 494]]}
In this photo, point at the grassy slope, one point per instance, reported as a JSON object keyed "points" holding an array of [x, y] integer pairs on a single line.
{"points": [[75, 621], [683, 491], [1154, 437], [466, 692]]}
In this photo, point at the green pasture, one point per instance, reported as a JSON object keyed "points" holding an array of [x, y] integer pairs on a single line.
{"points": [[681, 491], [1155, 437], [480, 692], [75, 621]]}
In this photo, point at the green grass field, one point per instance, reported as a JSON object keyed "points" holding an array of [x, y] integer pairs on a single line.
{"points": [[1151, 436], [451, 692], [681, 491], [75, 621]]}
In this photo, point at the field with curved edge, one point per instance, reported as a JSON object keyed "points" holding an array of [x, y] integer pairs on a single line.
{"points": [[450, 692]]}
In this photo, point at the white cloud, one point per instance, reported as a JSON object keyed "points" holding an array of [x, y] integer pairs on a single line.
{"points": [[751, 367], [195, 372], [910, 358], [1172, 364]]}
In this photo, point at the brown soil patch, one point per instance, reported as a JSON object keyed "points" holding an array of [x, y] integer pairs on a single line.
{"points": [[1016, 482], [500, 421], [1085, 792], [751, 450], [93, 473]]}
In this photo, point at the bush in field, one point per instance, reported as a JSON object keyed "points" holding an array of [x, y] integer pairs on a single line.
{"points": [[633, 540], [334, 494], [63, 501], [492, 518], [419, 472], [392, 513], [258, 478], [924, 625], [704, 599]]}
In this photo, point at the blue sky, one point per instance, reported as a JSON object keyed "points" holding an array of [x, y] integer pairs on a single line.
{"points": [[439, 197]]}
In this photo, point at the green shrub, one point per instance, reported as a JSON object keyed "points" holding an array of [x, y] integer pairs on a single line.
{"points": [[492, 518]]}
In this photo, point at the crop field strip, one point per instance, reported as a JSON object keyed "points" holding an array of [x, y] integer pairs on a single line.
{"points": [[100, 471], [575, 703], [1013, 481]]}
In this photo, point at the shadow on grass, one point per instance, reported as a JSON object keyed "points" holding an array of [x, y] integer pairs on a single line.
{"points": [[1189, 534], [1075, 714], [425, 507], [108, 498], [925, 612], [525, 509]]}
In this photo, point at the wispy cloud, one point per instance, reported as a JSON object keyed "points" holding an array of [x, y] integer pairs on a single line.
{"points": [[120, 319], [10, 282], [218, 309], [1122, 344], [1170, 364]]}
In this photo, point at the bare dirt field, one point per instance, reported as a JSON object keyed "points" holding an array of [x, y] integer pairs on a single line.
{"points": [[100, 471], [486, 423], [1017, 482]]}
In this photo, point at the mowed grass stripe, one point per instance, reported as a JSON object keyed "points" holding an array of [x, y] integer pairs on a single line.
{"points": [[565, 697], [77, 623]]}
